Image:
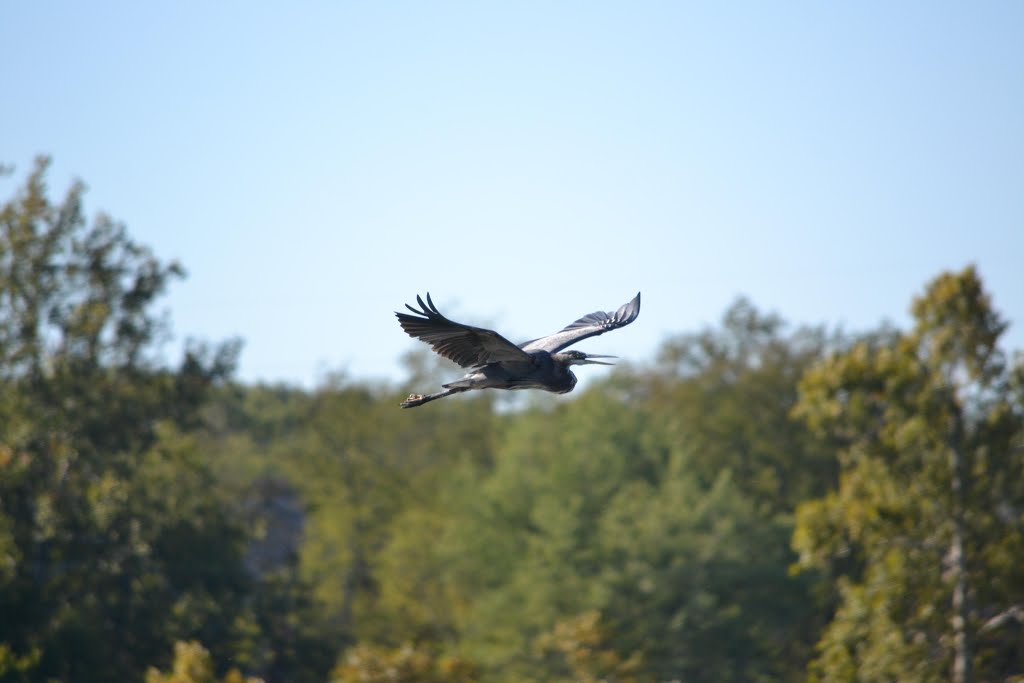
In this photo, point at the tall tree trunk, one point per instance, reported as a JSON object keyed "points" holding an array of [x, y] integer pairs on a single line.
{"points": [[963, 645], [962, 641]]}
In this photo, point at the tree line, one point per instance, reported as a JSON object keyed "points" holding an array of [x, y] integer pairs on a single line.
{"points": [[759, 502]]}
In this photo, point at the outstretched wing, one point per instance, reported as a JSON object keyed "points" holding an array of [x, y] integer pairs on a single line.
{"points": [[589, 325], [468, 346]]}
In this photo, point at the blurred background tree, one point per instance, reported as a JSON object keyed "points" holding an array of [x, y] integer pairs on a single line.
{"points": [[116, 539], [920, 532], [759, 503]]}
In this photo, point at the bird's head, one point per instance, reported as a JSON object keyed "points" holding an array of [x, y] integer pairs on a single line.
{"points": [[580, 358]]}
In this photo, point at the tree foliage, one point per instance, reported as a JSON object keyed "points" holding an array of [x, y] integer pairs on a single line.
{"points": [[759, 503], [405, 664], [114, 538], [193, 664], [919, 532]]}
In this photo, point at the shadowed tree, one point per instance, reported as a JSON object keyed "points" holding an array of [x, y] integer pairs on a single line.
{"points": [[94, 530]]}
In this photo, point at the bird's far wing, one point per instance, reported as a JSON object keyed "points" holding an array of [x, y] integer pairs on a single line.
{"points": [[589, 325], [468, 346]]}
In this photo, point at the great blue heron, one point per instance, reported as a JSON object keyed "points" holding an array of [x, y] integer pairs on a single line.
{"points": [[496, 363]]}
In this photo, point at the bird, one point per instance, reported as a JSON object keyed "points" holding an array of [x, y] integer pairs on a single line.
{"points": [[496, 363]]}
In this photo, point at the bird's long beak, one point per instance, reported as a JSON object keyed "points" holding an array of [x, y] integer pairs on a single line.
{"points": [[597, 362]]}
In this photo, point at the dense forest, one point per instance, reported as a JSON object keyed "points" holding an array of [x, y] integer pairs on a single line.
{"points": [[760, 502]]}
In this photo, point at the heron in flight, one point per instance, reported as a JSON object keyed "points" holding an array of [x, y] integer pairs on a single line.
{"points": [[496, 363]]}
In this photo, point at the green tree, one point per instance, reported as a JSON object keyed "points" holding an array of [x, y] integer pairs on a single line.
{"points": [[926, 517], [727, 392], [261, 436], [373, 486], [96, 529], [583, 644], [373, 477], [405, 664], [595, 505], [696, 581], [193, 664], [522, 550]]}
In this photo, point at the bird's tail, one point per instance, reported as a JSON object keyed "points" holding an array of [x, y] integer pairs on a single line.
{"points": [[419, 399]]}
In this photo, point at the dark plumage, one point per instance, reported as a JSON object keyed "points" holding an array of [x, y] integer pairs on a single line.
{"points": [[496, 363]]}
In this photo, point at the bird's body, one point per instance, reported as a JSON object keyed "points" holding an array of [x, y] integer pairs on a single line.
{"points": [[542, 371], [496, 363]]}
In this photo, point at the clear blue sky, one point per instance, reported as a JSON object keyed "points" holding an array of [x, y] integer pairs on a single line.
{"points": [[316, 165]]}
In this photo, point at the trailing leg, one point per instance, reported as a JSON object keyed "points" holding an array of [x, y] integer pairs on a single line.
{"points": [[419, 399]]}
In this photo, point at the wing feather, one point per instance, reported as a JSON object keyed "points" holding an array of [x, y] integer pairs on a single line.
{"points": [[590, 325], [468, 346]]}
